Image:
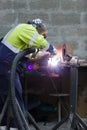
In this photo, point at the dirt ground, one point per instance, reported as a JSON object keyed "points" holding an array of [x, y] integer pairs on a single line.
{"points": [[48, 126]]}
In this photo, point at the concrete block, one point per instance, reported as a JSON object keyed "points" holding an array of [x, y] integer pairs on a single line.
{"points": [[53, 31], [81, 5], [84, 20], [26, 16], [7, 18], [65, 19], [73, 31], [20, 4], [44, 4], [74, 5], [4, 30], [5, 4], [86, 44]]}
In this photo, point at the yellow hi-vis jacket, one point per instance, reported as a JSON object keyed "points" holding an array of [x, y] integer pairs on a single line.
{"points": [[24, 36]]}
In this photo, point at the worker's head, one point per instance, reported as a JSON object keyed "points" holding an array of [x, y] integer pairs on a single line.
{"points": [[40, 26]]}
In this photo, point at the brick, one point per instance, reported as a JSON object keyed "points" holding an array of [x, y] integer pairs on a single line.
{"points": [[65, 19]]}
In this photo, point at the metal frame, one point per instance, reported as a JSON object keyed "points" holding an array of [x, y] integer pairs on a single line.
{"points": [[74, 120]]}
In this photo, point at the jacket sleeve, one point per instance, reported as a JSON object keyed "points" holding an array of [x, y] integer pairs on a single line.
{"points": [[32, 38], [41, 43]]}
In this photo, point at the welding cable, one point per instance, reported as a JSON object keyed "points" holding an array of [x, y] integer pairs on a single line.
{"points": [[21, 125]]}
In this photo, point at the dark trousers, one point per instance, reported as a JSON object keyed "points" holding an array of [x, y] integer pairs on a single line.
{"points": [[4, 89], [6, 58]]}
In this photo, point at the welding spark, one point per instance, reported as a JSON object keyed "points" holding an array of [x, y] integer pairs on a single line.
{"points": [[53, 61]]}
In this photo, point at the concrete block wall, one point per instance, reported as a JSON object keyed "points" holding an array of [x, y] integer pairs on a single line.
{"points": [[66, 20]]}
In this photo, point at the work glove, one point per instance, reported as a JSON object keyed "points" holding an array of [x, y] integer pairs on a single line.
{"points": [[52, 50]]}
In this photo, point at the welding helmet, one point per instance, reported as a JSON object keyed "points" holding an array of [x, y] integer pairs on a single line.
{"points": [[40, 26]]}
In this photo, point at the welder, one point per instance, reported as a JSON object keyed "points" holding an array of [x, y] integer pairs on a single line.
{"points": [[25, 35]]}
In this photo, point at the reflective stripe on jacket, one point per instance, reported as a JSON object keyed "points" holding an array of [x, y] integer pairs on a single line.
{"points": [[24, 36]]}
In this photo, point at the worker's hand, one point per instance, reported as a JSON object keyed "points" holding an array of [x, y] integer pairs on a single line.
{"points": [[52, 50], [40, 55]]}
